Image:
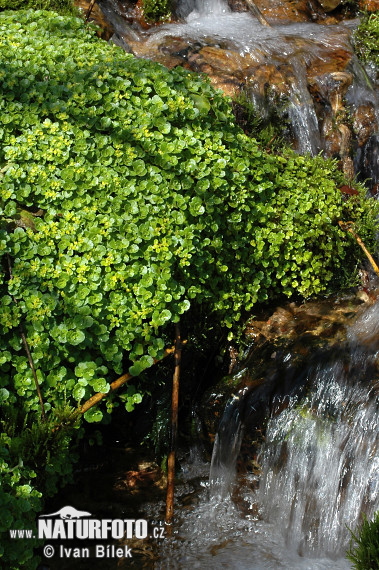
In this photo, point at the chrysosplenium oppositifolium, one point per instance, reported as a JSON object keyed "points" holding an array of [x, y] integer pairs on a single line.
{"points": [[148, 198]]}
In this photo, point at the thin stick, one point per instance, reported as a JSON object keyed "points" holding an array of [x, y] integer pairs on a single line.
{"points": [[348, 227], [27, 349], [90, 8], [257, 13], [96, 398], [174, 431], [31, 364]]}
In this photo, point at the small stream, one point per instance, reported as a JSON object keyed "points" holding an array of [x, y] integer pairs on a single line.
{"points": [[305, 72], [319, 470]]}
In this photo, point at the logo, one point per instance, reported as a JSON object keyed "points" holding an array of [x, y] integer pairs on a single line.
{"points": [[69, 523], [69, 513], [72, 523]]}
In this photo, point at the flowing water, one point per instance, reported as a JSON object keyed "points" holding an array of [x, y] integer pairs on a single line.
{"points": [[291, 50], [289, 66], [319, 469]]}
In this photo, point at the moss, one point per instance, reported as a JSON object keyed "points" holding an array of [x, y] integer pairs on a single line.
{"points": [[366, 38], [156, 10]]}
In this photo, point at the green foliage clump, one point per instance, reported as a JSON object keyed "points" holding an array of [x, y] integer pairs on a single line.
{"points": [[156, 10], [364, 545], [35, 460], [128, 193], [366, 38], [61, 6]]}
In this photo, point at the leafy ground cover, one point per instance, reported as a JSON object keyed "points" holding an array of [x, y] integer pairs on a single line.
{"points": [[61, 6], [128, 195]]}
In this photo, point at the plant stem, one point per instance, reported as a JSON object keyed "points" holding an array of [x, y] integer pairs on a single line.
{"points": [[96, 398], [27, 349], [90, 8], [174, 431], [348, 227], [31, 364]]}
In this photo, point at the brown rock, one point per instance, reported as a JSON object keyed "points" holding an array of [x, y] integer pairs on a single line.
{"points": [[286, 10], [227, 84], [329, 5], [364, 123], [337, 137], [370, 5], [97, 17], [227, 61], [269, 77], [328, 62]]}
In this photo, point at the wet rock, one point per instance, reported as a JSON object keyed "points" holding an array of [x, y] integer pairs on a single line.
{"points": [[223, 60], [330, 5], [363, 296], [214, 400], [256, 12], [367, 161], [177, 46], [364, 123], [97, 17], [289, 11], [281, 338], [326, 63], [338, 84], [313, 319], [369, 5], [238, 5], [121, 42], [331, 88], [227, 69], [269, 82], [147, 475], [331, 136]]}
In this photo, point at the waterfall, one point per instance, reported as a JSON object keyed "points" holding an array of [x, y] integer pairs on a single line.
{"points": [[226, 448], [320, 459], [320, 464], [301, 112], [209, 7], [364, 105]]}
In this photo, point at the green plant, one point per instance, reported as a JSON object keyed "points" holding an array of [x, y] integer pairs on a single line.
{"points": [[366, 38], [36, 459], [128, 193], [364, 545], [156, 10], [61, 6]]}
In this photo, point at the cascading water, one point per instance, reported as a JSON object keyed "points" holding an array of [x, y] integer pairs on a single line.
{"points": [[319, 466], [362, 95], [280, 47], [301, 112], [288, 66], [224, 457]]}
